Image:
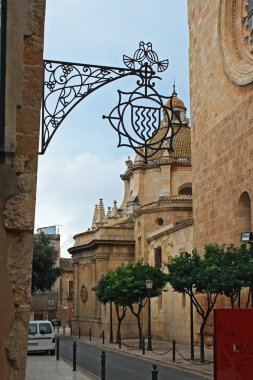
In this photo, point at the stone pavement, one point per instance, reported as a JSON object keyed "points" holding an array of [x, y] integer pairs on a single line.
{"points": [[162, 353], [46, 367]]}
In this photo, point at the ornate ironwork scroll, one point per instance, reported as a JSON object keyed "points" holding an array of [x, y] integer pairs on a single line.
{"points": [[67, 84], [136, 118]]}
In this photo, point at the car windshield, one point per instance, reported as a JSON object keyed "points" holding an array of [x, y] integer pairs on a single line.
{"points": [[45, 328], [32, 328]]}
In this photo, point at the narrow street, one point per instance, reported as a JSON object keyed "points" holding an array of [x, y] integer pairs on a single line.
{"points": [[119, 365]]}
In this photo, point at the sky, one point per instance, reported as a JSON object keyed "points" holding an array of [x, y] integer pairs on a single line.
{"points": [[82, 162]]}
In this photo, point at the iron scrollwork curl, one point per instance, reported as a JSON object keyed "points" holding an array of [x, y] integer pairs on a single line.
{"points": [[138, 115]]}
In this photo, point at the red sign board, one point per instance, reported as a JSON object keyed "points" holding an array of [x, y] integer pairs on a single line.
{"points": [[233, 344]]}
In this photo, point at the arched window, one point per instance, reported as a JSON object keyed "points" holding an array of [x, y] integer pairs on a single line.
{"points": [[187, 190], [244, 213]]}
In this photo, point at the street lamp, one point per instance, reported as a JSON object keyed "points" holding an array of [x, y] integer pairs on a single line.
{"points": [[149, 286], [247, 237]]}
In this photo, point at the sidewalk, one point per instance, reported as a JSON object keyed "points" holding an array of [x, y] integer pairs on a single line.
{"points": [[45, 367], [161, 353]]}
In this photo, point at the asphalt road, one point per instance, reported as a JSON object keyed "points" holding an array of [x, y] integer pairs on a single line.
{"points": [[119, 366]]}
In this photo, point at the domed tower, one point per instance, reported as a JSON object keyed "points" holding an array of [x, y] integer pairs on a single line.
{"points": [[158, 193]]}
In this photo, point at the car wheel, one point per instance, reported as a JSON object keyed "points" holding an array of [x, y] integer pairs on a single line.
{"points": [[52, 352]]}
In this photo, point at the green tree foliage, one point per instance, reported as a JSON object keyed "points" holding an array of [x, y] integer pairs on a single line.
{"points": [[126, 287], [111, 288], [44, 272], [221, 270], [235, 268]]}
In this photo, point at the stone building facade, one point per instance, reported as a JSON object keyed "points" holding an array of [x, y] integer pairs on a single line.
{"points": [[221, 67], [155, 215], [22, 32], [65, 312]]}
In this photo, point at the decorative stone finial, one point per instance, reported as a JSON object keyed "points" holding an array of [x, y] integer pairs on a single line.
{"points": [[114, 212], [101, 211], [108, 215], [95, 217]]}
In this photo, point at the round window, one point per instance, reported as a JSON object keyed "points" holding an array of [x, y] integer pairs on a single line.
{"points": [[235, 27], [160, 221]]}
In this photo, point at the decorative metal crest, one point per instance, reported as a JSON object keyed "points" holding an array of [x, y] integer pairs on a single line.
{"points": [[138, 114]]}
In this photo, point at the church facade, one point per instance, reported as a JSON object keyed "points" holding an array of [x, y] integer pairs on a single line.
{"points": [[222, 120], [153, 222], [221, 67]]}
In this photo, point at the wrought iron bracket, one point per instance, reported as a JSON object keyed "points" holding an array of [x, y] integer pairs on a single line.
{"points": [[136, 118]]}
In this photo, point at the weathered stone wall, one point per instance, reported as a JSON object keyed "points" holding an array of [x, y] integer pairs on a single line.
{"points": [[94, 254], [222, 127], [171, 310], [25, 31]]}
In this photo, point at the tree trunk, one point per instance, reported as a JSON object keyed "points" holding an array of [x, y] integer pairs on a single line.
{"points": [[120, 319], [248, 299], [139, 330], [118, 330], [202, 341]]}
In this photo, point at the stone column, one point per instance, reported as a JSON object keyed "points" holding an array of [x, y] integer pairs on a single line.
{"points": [[76, 289]]}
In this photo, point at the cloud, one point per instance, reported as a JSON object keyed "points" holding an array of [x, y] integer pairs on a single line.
{"points": [[67, 193]]}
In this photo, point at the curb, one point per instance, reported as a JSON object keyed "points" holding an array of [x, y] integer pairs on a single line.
{"points": [[141, 356]]}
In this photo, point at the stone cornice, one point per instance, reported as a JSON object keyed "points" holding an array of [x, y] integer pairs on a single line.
{"points": [[97, 243], [168, 230], [164, 205], [140, 165]]}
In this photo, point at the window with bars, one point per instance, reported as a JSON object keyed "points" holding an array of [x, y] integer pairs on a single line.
{"points": [[158, 256]]}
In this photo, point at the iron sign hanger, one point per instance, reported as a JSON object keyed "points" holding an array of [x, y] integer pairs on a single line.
{"points": [[138, 114]]}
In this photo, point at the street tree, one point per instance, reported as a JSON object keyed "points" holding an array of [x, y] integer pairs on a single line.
{"points": [[135, 287], [126, 287], [44, 272], [192, 275], [222, 270], [111, 288], [235, 268]]}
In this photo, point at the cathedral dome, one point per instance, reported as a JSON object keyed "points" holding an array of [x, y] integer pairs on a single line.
{"points": [[176, 102], [181, 144]]}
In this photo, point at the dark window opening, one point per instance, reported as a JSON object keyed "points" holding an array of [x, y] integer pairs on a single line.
{"points": [[71, 289], [177, 115], [186, 191], [160, 222], [158, 257]]}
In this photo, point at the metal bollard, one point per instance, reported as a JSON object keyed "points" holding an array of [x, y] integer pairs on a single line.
{"points": [[57, 347], [154, 372], [143, 345], [119, 340], [63, 331], [74, 356], [70, 330], [103, 337], [90, 335], [79, 332], [103, 356], [174, 350]]}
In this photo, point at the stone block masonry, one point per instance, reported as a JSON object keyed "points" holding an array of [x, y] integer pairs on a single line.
{"points": [[18, 176]]}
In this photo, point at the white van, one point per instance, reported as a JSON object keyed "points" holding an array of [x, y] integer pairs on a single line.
{"points": [[41, 337]]}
